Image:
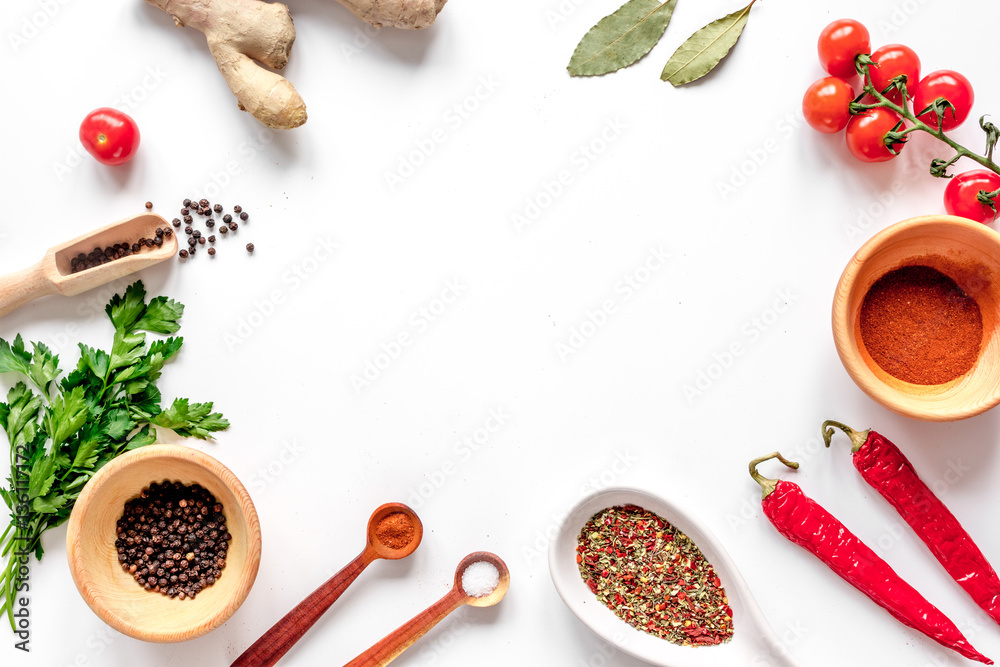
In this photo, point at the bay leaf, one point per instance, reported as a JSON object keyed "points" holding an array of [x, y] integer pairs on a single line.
{"points": [[706, 48], [621, 38]]}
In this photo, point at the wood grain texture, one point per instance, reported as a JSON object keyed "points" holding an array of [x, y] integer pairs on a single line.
{"points": [[400, 639], [277, 641], [53, 274], [969, 253], [112, 593]]}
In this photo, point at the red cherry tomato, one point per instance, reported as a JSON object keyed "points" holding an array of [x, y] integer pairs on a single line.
{"points": [[111, 136], [960, 195], [839, 44], [953, 87], [893, 60], [826, 104], [866, 135]]}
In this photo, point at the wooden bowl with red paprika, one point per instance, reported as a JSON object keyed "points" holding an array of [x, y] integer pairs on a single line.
{"points": [[915, 318]]}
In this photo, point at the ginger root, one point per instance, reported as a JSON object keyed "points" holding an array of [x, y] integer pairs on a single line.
{"points": [[407, 14], [240, 32]]}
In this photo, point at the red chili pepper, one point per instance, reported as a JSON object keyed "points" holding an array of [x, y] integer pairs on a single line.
{"points": [[889, 472], [806, 523]]}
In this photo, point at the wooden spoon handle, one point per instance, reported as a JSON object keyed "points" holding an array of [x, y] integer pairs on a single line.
{"points": [[20, 287], [387, 649], [282, 636]]}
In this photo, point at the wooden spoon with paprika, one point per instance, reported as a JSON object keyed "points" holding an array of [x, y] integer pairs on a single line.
{"points": [[394, 532]]}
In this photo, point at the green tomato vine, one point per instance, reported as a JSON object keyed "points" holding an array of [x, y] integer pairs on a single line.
{"points": [[940, 106]]}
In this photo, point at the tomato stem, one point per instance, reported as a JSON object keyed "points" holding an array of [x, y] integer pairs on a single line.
{"points": [[863, 63]]}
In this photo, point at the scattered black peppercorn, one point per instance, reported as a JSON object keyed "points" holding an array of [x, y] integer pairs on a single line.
{"points": [[244, 215], [185, 211], [211, 239], [223, 229], [203, 203], [176, 222], [168, 232], [233, 226], [197, 233], [249, 247], [210, 223], [159, 232], [189, 230], [201, 240], [188, 219], [183, 253], [237, 208], [187, 202], [227, 218], [217, 208], [149, 205], [211, 251]]}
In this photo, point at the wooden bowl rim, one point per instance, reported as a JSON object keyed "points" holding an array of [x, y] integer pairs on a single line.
{"points": [[890, 397], [212, 466]]}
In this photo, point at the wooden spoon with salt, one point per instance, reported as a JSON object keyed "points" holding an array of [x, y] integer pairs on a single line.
{"points": [[54, 273], [267, 650], [386, 650]]}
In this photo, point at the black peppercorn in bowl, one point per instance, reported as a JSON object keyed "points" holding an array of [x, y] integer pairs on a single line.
{"points": [[164, 543]]}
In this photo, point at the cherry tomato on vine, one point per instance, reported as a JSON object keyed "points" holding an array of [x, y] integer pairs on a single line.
{"points": [[839, 44], [826, 104], [893, 60], [960, 195], [953, 87], [866, 135], [110, 135]]}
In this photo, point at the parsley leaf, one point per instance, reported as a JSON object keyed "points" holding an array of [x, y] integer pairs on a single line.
{"points": [[125, 310], [161, 316], [14, 358], [195, 419]]}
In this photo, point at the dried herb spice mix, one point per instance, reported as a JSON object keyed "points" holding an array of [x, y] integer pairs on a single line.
{"points": [[653, 577], [172, 539]]}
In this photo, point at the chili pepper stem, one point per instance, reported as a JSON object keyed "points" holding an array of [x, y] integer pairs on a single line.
{"points": [[766, 484], [858, 438]]}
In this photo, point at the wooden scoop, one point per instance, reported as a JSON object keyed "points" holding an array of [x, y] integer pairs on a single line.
{"points": [[53, 275], [282, 636], [404, 636]]}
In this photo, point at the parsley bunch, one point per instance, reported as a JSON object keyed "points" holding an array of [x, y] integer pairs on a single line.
{"points": [[62, 432]]}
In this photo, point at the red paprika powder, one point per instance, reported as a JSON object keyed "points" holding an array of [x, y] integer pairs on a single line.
{"points": [[395, 530], [920, 327]]}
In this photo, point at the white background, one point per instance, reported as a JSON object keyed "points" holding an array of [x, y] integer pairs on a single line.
{"points": [[612, 412]]}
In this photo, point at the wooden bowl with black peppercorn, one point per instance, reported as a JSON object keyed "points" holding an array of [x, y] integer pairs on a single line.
{"points": [[205, 556], [915, 318]]}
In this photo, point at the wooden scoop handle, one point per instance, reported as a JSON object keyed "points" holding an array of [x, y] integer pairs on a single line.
{"points": [[20, 287], [386, 650], [282, 636]]}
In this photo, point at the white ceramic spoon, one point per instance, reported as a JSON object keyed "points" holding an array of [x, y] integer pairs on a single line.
{"points": [[753, 642]]}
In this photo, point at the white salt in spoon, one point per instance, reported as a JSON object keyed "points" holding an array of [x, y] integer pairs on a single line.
{"points": [[753, 641], [53, 274], [482, 593]]}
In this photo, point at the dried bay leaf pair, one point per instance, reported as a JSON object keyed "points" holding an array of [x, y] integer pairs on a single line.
{"points": [[625, 36]]}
